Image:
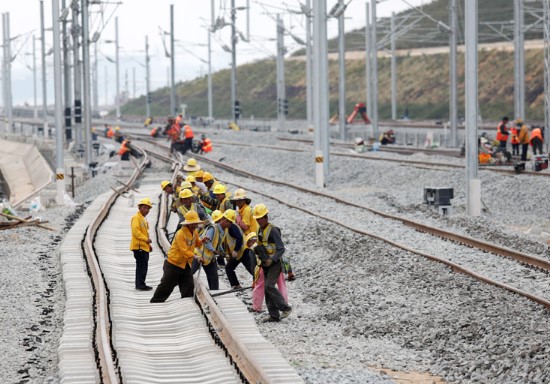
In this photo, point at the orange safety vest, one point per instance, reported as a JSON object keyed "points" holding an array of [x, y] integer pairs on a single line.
{"points": [[500, 135], [207, 145], [174, 132], [110, 133], [188, 131], [536, 133], [123, 148], [515, 137]]}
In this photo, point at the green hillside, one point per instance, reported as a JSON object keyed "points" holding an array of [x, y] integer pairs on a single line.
{"points": [[423, 81]]}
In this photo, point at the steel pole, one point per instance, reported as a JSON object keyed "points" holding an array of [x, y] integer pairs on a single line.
{"points": [[9, 104], [4, 72], [281, 94], [393, 69], [210, 98], [473, 183], [342, 74], [34, 75], [147, 79], [453, 101], [117, 96], [374, 72], [76, 31], [173, 111], [519, 61], [233, 59], [368, 62], [86, 89], [44, 85], [67, 98], [546, 24], [309, 89], [59, 162], [95, 82]]}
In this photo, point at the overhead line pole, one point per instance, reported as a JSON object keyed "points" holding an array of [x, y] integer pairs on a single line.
{"points": [[374, 93], [59, 163], [117, 96], [234, 60], [393, 69], [546, 24], [309, 69], [34, 76], [453, 101], [519, 61], [342, 73], [147, 79], [76, 31], [173, 111], [86, 89], [473, 183], [44, 89], [281, 94], [368, 61], [210, 94], [67, 99]]}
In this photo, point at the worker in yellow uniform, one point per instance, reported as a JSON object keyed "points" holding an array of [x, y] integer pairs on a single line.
{"points": [[233, 241], [177, 267], [212, 242], [140, 244], [187, 201], [244, 212], [167, 187], [223, 202]]}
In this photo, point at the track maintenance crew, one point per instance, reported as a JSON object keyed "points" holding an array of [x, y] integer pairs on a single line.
{"points": [[141, 243], [271, 254], [177, 267], [244, 212], [524, 139], [502, 133], [233, 246], [259, 280], [212, 238], [514, 137], [537, 140]]}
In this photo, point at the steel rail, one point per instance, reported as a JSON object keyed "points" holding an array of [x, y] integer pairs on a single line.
{"points": [[105, 354]]}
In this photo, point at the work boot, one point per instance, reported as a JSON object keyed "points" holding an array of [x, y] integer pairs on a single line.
{"points": [[286, 313], [291, 276], [270, 319]]}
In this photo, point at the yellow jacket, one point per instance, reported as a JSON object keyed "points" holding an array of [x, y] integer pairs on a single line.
{"points": [[182, 251], [140, 233], [245, 213]]}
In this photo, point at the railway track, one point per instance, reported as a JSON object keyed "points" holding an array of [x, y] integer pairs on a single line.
{"points": [[504, 169], [524, 274], [132, 341]]}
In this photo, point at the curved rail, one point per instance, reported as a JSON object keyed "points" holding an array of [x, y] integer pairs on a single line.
{"points": [[107, 366]]}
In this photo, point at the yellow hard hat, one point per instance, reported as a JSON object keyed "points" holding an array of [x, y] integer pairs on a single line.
{"points": [[519, 121], [164, 184], [191, 165], [117, 128], [199, 174], [186, 184], [250, 236], [230, 215], [240, 194], [191, 217], [206, 177], [260, 210], [190, 179], [216, 216], [185, 193], [146, 201], [219, 189]]}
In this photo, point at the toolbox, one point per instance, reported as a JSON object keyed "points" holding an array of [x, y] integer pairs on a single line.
{"points": [[540, 162]]}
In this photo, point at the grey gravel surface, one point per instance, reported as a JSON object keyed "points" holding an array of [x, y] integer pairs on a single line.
{"points": [[358, 302]]}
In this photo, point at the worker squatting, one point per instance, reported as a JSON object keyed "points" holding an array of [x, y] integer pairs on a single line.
{"points": [[216, 229]]}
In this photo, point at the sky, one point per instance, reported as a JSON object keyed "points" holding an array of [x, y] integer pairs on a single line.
{"points": [[140, 18]]}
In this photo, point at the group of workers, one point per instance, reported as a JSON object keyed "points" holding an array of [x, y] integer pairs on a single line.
{"points": [[217, 230], [520, 136], [181, 136]]}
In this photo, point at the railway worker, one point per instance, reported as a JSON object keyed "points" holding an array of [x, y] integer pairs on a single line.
{"points": [[248, 259], [199, 181], [206, 144], [188, 138], [194, 188], [233, 242], [141, 243], [258, 290], [524, 139], [269, 236], [177, 267], [124, 151], [223, 201], [514, 137], [167, 187], [187, 203], [211, 239], [536, 140], [244, 212], [208, 199], [502, 133], [191, 167]]}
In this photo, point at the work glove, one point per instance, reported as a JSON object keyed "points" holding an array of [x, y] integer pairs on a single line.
{"points": [[267, 263]]}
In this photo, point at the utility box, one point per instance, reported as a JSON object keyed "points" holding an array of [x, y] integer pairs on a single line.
{"points": [[438, 196]]}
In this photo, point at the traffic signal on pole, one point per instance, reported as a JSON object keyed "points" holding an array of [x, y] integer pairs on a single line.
{"points": [[285, 107], [237, 110]]}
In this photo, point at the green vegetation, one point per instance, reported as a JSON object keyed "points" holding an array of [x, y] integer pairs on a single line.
{"points": [[422, 81]]}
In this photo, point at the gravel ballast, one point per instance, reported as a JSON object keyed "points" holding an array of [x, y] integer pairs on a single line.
{"points": [[359, 303]]}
